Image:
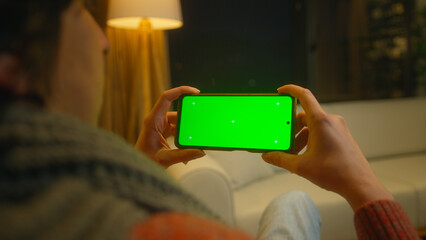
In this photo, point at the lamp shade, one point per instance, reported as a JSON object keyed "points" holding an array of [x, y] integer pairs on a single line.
{"points": [[162, 14]]}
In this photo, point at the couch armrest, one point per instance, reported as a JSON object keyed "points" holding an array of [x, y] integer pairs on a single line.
{"points": [[208, 181]]}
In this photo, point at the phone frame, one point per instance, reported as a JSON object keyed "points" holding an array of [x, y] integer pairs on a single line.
{"points": [[292, 127]]}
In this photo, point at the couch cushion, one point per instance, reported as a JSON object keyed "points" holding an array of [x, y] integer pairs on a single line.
{"points": [[385, 127], [410, 170], [201, 176], [242, 167]]}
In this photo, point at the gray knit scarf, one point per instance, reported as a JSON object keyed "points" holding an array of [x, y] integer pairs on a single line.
{"points": [[64, 179]]}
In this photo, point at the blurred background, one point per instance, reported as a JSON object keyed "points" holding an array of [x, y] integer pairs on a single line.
{"points": [[340, 49]]}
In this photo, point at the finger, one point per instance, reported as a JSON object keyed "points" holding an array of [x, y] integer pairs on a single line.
{"points": [[170, 157], [300, 121], [280, 159], [301, 140], [163, 104], [170, 131], [307, 99], [172, 117], [173, 129]]}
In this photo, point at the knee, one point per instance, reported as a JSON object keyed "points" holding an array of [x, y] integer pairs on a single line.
{"points": [[294, 196], [293, 210], [294, 200], [297, 195]]}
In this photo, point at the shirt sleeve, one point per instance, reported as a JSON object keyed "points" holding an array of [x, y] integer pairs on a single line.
{"points": [[383, 219], [182, 226]]}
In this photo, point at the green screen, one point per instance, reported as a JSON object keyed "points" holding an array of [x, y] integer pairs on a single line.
{"points": [[235, 122]]}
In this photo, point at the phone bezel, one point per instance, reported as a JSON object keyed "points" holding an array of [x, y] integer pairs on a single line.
{"points": [[179, 110]]}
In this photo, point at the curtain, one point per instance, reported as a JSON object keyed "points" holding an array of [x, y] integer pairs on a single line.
{"points": [[137, 72]]}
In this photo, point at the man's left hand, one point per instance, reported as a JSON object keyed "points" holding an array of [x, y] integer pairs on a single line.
{"points": [[160, 124]]}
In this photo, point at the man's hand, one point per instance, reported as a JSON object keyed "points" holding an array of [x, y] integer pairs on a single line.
{"points": [[159, 125], [333, 159]]}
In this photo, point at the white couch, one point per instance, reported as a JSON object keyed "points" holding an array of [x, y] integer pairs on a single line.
{"points": [[391, 133]]}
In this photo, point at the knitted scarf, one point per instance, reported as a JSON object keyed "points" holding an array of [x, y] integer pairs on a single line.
{"points": [[63, 179]]}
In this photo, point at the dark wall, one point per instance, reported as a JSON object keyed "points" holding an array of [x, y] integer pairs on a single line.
{"points": [[340, 49], [238, 45]]}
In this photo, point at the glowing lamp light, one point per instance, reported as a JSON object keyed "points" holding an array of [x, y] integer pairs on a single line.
{"points": [[128, 14]]}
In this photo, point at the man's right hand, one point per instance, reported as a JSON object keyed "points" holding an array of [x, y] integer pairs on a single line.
{"points": [[333, 159]]}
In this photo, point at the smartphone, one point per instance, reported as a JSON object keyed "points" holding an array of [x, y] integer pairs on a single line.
{"points": [[253, 122]]}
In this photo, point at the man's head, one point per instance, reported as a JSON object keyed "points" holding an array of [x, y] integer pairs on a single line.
{"points": [[53, 50], [30, 33]]}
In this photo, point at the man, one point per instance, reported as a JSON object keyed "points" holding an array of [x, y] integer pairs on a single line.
{"points": [[62, 178]]}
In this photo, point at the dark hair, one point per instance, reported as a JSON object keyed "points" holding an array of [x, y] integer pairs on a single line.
{"points": [[29, 30]]}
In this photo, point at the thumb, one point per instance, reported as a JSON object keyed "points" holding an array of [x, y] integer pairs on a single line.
{"points": [[283, 160], [170, 157]]}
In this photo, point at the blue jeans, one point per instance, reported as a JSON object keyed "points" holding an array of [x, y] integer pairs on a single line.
{"points": [[290, 216]]}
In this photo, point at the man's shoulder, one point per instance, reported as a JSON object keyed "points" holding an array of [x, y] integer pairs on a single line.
{"points": [[39, 149], [56, 133], [36, 139]]}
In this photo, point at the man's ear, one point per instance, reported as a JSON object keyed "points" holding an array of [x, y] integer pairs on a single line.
{"points": [[11, 76]]}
